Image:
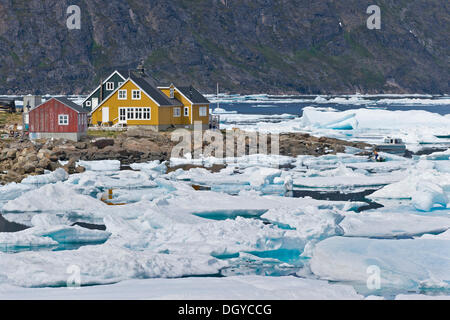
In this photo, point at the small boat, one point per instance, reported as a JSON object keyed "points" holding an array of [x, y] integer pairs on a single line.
{"points": [[392, 145]]}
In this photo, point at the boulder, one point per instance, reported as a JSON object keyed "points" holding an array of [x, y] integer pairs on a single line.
{"points": [[81, 145], [44, 163], [29, 167], [140, 145], [102, 143]]}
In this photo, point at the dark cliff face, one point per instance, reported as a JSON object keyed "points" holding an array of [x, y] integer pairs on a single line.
{"points": [[285, 46]]}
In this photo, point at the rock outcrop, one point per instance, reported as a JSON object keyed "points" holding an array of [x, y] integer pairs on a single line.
{"points": [[248, 46]]}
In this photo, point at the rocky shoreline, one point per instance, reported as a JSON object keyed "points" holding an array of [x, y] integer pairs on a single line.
{"points": [[21, 158]]}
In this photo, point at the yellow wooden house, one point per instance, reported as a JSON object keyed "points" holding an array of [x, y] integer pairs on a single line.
{"points": [[138, 103]]}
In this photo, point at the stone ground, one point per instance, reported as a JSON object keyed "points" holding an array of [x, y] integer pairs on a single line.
{"points": [[20, 158]]}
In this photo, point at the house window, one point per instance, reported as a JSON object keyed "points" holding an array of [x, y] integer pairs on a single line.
{"points": [[202, 112], [136, 95], [88, 103], [134, 114], [139, 113], [63, 119], [147, 113], [122, 95], [186, 111], [122, 114], [130, 114], [172, 93], [110, 86], [120, 84], [176, 112]]}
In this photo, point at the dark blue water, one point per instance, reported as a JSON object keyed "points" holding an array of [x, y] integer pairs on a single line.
{"points": [[269, 107]]}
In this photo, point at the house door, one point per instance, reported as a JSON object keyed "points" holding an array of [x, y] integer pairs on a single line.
{"points": [[94, 103], [122, 115], [105, 114]]}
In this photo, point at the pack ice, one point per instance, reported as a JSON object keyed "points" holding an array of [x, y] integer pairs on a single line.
{"points": [[238, 222]]}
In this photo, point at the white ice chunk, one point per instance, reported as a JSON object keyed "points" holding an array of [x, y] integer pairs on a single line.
{"points": [[403, 264], [53, 197], [198, 288], [428, 196], [58, 175], [100, 165], [391, 223], [99, 265]]}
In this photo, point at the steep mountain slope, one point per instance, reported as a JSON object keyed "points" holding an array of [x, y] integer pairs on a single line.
{"points": [[284, 46]]}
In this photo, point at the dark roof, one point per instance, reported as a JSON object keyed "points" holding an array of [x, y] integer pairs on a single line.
{"points": [[71, 105], [123, 72], [193, 95], [153, 92]]}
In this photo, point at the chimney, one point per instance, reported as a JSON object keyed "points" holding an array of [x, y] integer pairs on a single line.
{"points": [[141, 68]]}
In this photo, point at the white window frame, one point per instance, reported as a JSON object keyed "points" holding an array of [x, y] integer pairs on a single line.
{"points": [[63, 119], [146, 114], [130, 113], [110, 86], [172, 93], [202, 111], [88, 103], [133, 113], [186, 114], [178, 113], [124, 97], [124, 118], [136, 95]]}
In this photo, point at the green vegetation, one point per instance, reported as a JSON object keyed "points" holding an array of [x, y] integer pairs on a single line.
{"points": [[10, 119], [104, 133]]}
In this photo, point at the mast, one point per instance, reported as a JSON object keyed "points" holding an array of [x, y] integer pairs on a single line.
{"points": [[217, 96]]}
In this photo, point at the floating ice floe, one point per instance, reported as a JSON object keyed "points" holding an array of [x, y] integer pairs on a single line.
{"points": [[53, 197], [429, 196], [393, 223], [198, 288], [100, 165], [425, 184], [444, 155], [50, 236], [403, 264], [374, 119], [151, 166], [13, 190], [309, 222], [115, 179], [50, 177], [99, 265]]}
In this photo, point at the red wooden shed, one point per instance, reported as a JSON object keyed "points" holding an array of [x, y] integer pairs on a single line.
{"points": [[58, 118]]}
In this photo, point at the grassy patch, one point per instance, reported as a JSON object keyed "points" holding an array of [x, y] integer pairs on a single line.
{"points": [[104, 133], [10, 118]]}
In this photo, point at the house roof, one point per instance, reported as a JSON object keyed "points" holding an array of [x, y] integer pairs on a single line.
{"points": [[152, 91], [192, 95], [72, 105], [121, 72]]}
